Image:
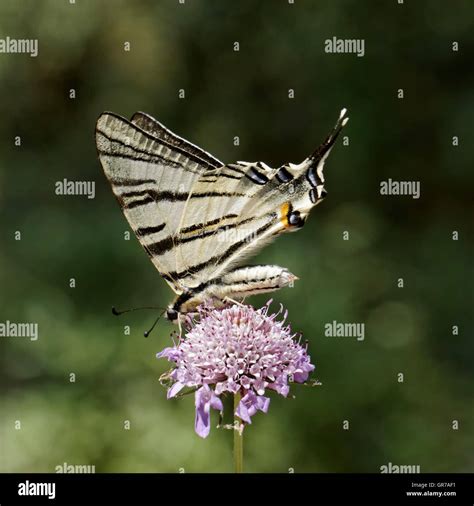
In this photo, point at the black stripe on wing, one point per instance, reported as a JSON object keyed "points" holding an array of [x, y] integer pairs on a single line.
{"points": [[256, 176], [195, 269], [254, 172], [148, 195], [200, 226], [131, 182], [284, 175], [183, 148], [150, 230], [142, 155], [160, 132], [160, 247]]}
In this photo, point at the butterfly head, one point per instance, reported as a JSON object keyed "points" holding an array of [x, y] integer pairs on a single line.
{"points": [[172, 314]]}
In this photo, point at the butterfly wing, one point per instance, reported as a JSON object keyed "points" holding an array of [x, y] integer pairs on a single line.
{"points": [[152, 172], [160, 132], [248, 205], [193, 215]]}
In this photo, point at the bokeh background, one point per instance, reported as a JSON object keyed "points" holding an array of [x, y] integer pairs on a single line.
{"points": [[190, 46]]}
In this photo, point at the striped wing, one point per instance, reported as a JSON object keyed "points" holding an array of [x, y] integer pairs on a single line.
{"points": [[152, 172], [212, 233], [159, 131], [258, 204]]}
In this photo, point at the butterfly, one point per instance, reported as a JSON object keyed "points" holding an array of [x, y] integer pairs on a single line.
{"points": [[197, 217]]}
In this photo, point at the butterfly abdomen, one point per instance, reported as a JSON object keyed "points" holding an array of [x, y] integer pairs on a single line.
{"points": [[235, 285]]}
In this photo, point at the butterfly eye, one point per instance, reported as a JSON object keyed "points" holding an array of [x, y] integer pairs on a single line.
{"points": [[171, 314]]}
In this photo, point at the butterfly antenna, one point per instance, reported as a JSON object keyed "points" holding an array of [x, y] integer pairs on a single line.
{"points": [[147, 333], [116, 312]]}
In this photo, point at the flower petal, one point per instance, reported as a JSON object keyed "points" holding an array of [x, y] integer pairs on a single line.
{"points": [[174, 390], [263, 403], [204, 400], [171, 353], [302, 373], [216, 403], [202, 424], [242, 412], [250, 404]]}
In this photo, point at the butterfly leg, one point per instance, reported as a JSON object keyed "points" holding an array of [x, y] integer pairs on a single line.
{"points": [[229, 299]]}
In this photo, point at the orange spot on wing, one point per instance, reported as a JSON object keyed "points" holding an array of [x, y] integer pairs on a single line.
{"points": [[284, 210]]}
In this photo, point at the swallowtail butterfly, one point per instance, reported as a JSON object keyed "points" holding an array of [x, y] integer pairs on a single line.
{"points": [[197, 217]]}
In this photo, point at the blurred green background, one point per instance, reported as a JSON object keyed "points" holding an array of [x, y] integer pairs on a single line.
{"points": [[190, 46]]}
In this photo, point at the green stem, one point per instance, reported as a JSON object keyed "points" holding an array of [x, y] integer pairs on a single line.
{"points": [[238, 439]]}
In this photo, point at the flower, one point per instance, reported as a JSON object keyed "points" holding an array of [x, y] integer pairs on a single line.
{"points": [[236, 349]]}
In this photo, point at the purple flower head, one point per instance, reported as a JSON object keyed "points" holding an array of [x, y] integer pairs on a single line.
{"points": [[236, 349]]}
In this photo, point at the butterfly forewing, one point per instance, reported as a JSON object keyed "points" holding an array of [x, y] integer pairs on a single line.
{"points": [[152, 180], [159, 131]]}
